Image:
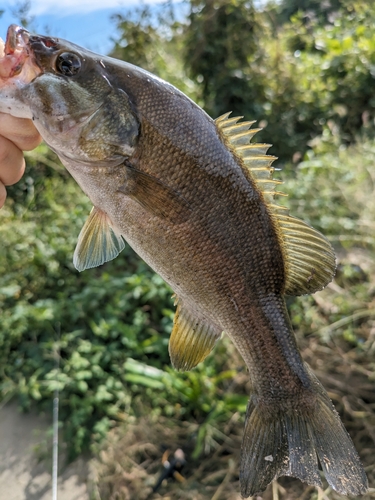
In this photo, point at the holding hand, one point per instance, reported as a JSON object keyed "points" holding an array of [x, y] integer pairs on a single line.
{"points": [[16, 135]]}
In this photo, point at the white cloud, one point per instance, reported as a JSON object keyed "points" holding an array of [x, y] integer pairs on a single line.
{"points": [[64, 7]]}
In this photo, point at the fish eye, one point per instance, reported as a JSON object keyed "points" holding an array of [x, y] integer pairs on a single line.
{"points": [[68, 64]]}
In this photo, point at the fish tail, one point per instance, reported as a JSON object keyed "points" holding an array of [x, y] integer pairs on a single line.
{"points": [[292, 442]]}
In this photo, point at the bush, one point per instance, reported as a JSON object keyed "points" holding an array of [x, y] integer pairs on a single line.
{"points": [[91, 322], [100, 337]]}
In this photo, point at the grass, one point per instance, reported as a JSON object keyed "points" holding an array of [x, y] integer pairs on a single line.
{"points": [[335, 328], [114, 325]]}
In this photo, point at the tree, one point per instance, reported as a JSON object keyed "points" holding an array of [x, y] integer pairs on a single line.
{"points": [[321, 11], [220, 40]]}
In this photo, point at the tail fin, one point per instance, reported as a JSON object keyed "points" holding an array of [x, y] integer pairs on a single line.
{"points": [[291, 444]]}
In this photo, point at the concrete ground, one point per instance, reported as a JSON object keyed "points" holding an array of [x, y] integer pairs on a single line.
{"points": [[25, 470]]}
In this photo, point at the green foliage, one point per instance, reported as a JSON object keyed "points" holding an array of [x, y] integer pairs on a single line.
{"points": [[338, 61], [291, 69], [321, 11], [155, 44], [220, 41], [292, 77], [92, 321], [137, 44], [333, 190], [101, 337]]}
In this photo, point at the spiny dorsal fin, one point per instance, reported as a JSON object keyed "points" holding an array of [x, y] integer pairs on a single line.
{"points": [[309, 260], [237, 137], [192, 338]]}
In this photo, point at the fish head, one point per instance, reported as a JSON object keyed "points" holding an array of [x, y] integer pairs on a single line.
{"points": [[70, 95]]}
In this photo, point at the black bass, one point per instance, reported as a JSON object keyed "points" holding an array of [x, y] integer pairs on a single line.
{"points": [[195, 199]]}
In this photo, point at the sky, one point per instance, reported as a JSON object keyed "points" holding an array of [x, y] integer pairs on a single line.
{"points": [[84, 22]]}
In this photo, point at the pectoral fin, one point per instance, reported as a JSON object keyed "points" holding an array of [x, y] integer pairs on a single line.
{"points": [[155, 196], [193, 338], [97, 242]]}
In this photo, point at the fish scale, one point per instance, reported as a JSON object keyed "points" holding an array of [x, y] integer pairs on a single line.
{"points": [[197, 201]]}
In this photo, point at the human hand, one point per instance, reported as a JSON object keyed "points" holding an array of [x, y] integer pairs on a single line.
{"points": [[16, 135]]}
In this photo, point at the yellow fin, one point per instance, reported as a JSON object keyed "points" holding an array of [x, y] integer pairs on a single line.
{"points": [[309, 260], [97, 242], [237, 138], [192, 338]]}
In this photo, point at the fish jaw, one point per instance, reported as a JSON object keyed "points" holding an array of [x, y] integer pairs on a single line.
{"points": [[13, 53], [17, 69], [62, 88]]}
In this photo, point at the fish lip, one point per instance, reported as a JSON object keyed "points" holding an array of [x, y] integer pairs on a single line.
{"points": [[18, 65], [17, 37], [14, 52]]}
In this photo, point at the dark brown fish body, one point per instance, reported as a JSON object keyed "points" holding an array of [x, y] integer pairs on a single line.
{"points": [[210, 260], [195, 201], [225, 261]]}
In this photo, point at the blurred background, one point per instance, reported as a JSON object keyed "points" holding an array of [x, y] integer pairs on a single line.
{"points": [[305, 70]]}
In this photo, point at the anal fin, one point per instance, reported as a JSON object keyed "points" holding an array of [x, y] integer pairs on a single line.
{"points": [[193, 338]]}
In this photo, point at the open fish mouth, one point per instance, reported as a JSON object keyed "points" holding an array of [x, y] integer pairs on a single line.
{"points": [[14, 52], [15, 60]]}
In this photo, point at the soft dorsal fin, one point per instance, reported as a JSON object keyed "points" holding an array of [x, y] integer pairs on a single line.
{"points": [[309, 260], [192, 338], [97, 242]]}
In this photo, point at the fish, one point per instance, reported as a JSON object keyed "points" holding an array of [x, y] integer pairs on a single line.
{"points": [[196, 198]]}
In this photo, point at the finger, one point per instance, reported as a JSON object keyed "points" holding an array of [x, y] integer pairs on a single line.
{"points": [[12, 162], [3, 194], [20, 131]]}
